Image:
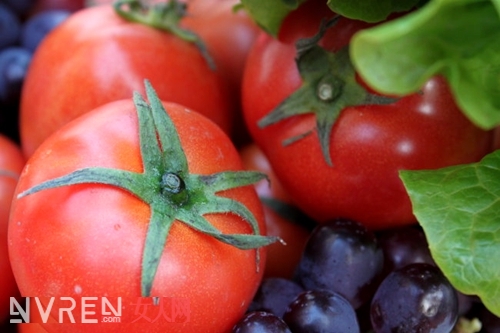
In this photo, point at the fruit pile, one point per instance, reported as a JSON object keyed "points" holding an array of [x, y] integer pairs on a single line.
{"points": [[352, 280], [245, 166], [24, 25]]}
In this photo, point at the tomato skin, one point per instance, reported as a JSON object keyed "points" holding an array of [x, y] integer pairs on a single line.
{"points": [[87, 240], [368, 144], [282, 259], [228, 35], [496, 138], [11, 164], [31, 328], [35, 324], [95, 57]]}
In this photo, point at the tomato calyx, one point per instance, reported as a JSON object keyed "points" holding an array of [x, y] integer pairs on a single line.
{"points": [[9, 174], [329, 85], [289, 212], [165, 16], [172, 193]]}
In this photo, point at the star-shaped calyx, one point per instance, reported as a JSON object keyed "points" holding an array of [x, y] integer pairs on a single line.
{"points": [[328, 86], [172, 193]]}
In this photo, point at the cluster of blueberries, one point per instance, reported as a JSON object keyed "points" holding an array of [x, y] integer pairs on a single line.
{"points": [[22, 28], [351, 280], [21, 31]]}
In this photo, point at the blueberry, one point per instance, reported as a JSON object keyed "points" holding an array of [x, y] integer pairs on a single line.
{"points": [[38, 26], [403, 246], [414, 298], [14, 63], [10, 27], [274, 295], [344, 257], [20, 7], [261, 322], [317, 311]]}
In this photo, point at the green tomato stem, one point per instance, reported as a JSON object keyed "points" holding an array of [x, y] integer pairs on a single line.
{"points": [[163, 16]]}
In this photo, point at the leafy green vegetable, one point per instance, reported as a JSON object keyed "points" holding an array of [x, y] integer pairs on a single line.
{"points": [[270, 13], [370, 10], [459, 39], [459, 210]]}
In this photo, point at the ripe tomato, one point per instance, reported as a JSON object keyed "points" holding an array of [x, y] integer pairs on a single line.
{"points": [[368, 143], [496, 138], [229, 35], [11, 164], [283, 219], [89, 239], [96, 56], [31, 328], [35, 324]]}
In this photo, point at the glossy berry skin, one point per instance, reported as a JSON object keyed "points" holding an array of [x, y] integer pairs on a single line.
{"points": [[14, 63], [10, 26], [403, 246], [19, 7], [39, 25], [344, 257], [275, 294], [490, 322], [415, 298], [317, 311], [261, 322]]}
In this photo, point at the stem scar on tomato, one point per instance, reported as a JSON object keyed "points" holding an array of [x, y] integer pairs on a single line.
{"points": [[164, 16], [328, 86], [172, 193]]}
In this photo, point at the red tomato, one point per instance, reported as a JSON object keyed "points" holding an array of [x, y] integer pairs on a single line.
{"points": [[368, 144], [95, 57], [282, 259], [88, 239], [229, 36], [11, 164], [496, 138], [35, 324], [31, 328]]}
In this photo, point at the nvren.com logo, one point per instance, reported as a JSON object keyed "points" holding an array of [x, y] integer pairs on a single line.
{"points": [[92, 310]]}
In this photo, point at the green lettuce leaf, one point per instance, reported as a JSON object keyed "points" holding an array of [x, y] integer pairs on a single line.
{"points": [[459, 210], [269, 14], [459, 39], [370, 10]]}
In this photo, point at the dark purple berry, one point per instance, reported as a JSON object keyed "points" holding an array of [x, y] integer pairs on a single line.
{"points": [[317, 311], [14, 63], [403, 246], [415, 298], [20, 7], [344, 257], [490, 322], [38, 26], [275, 294], [260, 322], [10, 27]]}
